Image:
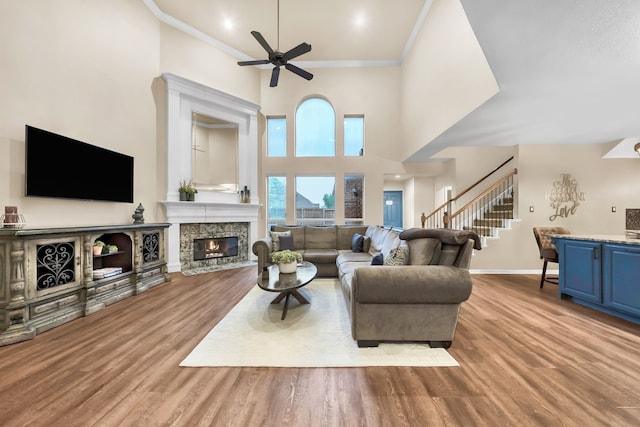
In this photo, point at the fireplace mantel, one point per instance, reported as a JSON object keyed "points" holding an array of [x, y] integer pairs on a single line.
{"points": [[203, 213], [185, 97]]}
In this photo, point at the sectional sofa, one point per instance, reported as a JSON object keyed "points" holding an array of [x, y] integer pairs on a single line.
{"points": [[398, 286]]}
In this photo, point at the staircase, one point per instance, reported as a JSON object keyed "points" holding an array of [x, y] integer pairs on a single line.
{"points": [[486, 213], [492, 219]]}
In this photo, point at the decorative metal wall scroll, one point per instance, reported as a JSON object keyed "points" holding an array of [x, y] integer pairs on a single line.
{"points": [[565, 197]]}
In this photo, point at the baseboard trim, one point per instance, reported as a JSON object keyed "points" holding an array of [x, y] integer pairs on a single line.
{"points": [[549, 272]]}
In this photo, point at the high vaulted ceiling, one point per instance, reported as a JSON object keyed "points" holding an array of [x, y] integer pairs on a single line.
{"points": [[568, 70]]}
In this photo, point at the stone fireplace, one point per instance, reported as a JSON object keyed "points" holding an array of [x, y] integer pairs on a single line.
{"points": [[214, 243], [213, 213]]}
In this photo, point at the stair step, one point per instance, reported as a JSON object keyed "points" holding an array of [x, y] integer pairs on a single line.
{"points": [[502, 207], [498, 215], [489, 222], [481, 231]]}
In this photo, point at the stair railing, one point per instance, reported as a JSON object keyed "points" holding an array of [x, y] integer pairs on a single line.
{"points": [[487, 205], [441, 216]]}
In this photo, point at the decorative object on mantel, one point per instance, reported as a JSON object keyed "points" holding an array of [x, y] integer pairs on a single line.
{"points": [[138, 215], [565, 197], [245, 195], [287, 260], [11, 218], [636, 148], [187, 191]]}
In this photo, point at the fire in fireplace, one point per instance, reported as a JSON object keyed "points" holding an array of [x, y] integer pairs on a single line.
{"points": [[215, 247]]}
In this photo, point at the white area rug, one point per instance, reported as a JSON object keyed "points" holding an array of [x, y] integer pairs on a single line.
{"points": [[312, 335]]}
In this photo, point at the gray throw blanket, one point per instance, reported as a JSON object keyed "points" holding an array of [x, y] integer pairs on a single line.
{"points": [[446, 235]]}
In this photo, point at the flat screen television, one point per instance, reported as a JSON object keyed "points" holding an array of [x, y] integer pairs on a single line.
{"points": [[58, 166]]}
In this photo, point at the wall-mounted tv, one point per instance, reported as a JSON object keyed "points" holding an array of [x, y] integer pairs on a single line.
{"points": [[58, 166]]}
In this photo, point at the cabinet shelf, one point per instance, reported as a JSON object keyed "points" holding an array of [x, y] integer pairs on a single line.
{"points": [[109, 254]]}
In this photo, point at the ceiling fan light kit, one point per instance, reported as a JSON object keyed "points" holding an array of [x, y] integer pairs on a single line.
{"points": [[279, 59]]}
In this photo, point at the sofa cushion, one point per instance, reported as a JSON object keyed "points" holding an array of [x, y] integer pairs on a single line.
{"points": [[353, 257], [346, 232], [377, 259], [320, 256], [356, 242], [366, 244], [320, 237], [377, 235], [424, 251], [286, 242], [398, 256], [391, 241], [296, 231], [275, 238], [448, 254]]}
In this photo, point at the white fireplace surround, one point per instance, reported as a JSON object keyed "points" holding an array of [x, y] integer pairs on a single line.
{"points": [[184, 97]]}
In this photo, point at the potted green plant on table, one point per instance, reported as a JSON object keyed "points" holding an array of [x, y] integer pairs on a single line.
{"points": [[287, 260], [187, 191]]}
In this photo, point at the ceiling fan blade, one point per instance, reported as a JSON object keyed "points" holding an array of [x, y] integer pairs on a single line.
{"points": [[296, 51], [262, 41], [299, 71], [274, 77], [257, 62]]}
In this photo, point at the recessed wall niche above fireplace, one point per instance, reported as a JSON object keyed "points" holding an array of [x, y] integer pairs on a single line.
{"points": [[184, 98]]}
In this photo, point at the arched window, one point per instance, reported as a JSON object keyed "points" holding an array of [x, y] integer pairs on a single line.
{"points": [[315, 129]]}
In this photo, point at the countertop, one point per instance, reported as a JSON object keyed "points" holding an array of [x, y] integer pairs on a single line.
{"points": [[603, 238]]}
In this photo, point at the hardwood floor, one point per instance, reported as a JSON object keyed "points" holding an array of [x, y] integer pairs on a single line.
{"points": [[526, 359]]}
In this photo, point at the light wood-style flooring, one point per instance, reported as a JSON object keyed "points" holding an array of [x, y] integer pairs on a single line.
{"points": [[526, 359]]}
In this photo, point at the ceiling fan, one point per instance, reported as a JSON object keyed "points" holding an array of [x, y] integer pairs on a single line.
{"points": [[279, 59]]}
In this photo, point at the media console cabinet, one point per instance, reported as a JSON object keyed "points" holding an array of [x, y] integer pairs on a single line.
{"points": [[601, 272], [46, 274]]}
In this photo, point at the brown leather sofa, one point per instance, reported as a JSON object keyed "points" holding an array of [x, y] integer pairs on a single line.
{"points": [[417, 299]]}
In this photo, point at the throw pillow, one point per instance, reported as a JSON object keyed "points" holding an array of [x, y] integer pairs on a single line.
{"points": [[398, 256], [286, 242], [356, 242], [366, 244], [377, 260], [275, 238]]}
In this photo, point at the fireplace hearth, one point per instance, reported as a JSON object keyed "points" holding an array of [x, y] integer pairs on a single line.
{"points": [[215, 247]]}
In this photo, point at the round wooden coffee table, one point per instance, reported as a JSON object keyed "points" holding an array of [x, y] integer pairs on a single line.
{"points": [[288, 284]]}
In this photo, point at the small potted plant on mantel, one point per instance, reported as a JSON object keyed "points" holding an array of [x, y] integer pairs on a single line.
{"points": [[287, 260], [187, 191]]}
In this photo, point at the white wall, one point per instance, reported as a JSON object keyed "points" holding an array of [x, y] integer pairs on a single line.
{"points": [[445, 76], [91, 71], [83, 70], [604, 182]]}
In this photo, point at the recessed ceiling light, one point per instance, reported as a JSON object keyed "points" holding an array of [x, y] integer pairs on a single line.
{"points": [[397, 176], [228, 24], [360, 20]]}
